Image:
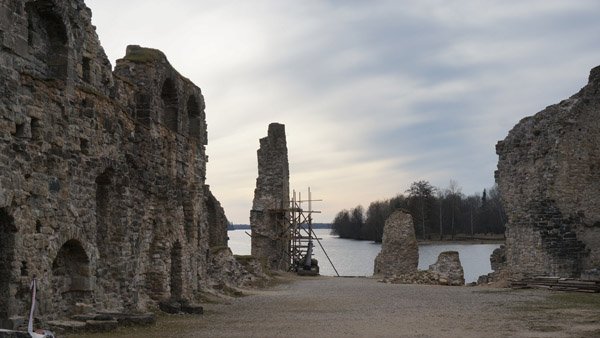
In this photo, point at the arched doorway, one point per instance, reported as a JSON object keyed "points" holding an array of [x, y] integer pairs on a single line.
{"points": [[7, 253], [71, 282]]}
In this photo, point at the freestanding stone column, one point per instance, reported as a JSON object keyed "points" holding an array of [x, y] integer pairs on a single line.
{"points": [[399, 249], [268, 218]]}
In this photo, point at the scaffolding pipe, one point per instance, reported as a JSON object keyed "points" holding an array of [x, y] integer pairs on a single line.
{"points": [[326, 255]]}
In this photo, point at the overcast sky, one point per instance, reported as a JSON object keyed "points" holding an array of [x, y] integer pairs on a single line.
{"points": [[374, 94]]}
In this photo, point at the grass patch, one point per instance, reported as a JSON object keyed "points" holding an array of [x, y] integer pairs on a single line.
{"points": [[576, 300], [143, 55]]}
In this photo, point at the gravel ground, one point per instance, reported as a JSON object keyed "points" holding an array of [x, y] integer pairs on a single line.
{"points": [[363, 307]]}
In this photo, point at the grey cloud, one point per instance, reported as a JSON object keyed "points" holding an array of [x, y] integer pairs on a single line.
{"points": [[415, 90]]}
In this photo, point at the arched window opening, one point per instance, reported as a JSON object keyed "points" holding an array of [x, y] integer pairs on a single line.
{"points": [[47, 38], [85, 69], [176, 272], [193, 117], [170, 111], [71, 282], [36, 129]]}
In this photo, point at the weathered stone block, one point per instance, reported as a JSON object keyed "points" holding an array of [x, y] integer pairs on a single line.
{"points": [[448, 269], [399, 249], [100, 325], [170, 307], [137, 319], [192, 309], [67, 326]]}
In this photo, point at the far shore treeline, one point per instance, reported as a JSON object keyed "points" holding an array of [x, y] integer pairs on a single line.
{"points": [[437, 214], [232, 226]]}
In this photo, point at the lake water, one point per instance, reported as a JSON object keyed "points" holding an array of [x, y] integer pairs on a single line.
{"points": [[356, 258]]}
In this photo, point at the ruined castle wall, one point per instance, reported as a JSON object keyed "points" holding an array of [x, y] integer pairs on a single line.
{"points": [[549, 178], [102, 173], [216, 220], [270, 236]]}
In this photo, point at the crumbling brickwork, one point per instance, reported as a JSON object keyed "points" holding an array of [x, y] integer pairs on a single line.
{"points": [[399, 249], [101, 173], [216, 220], [549, 178], [270, 235]]}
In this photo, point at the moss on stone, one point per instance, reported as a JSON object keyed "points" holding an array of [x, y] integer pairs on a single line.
{"points": [[143, 55], [216, 249], [244, 259]]}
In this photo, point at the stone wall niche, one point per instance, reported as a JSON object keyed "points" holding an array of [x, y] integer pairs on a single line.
{"points": [[194, 121], [143, 108], [104, 186], [190, 227], [71, 278], [7, 247], [111, 227], [85, 69], [176, 278], [47, 38]]}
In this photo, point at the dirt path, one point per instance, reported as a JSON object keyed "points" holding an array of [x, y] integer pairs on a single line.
{"points": [[361, 307]]}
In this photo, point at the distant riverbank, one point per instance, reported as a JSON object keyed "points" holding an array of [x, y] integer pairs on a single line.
{"points": [[465, 239]]}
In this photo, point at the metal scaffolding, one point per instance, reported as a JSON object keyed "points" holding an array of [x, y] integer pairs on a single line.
{"points": [[302, 236]]}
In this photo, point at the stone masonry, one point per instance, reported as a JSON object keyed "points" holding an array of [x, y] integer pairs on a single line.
{"points": [[549, 178], [102, 172], [216, 219], [447, 269], [399, 249], [268, 220]]}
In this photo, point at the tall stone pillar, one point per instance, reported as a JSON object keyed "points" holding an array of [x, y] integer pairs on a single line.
{"points": [[399, 249], [268, 218]]}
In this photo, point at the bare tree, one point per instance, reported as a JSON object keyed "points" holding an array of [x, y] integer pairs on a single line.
{"points": [[454, 195], [421, 200]]}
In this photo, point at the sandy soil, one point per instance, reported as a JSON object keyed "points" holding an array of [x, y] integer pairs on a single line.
{"points": [[363, 307]]}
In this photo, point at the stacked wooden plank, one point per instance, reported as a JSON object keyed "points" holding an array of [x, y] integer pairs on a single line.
{"points": [[557, 283]]}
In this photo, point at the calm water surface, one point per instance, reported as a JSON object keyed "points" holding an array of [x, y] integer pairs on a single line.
{"points": [[356, 258]]}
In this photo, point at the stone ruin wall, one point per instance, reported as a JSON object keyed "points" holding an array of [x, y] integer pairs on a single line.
{"points": [[270, 238], [216, 219], [102, 193], [549, 178]]}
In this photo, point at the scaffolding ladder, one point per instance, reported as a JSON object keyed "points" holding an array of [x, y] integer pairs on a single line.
{"points": [[303, 237]]}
